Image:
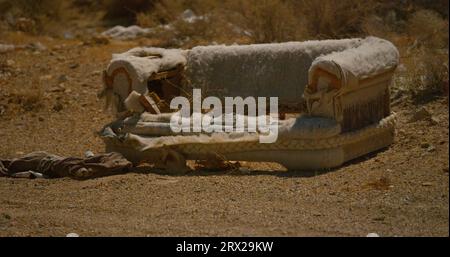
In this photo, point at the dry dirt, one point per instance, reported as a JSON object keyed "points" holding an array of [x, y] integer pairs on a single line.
{"points": [[400, 191]]}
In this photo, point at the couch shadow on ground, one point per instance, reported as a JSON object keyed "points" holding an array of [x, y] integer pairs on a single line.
{"points": [[256, 172]]}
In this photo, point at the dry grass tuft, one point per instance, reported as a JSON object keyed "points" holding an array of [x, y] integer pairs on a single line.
{"points": [[334, 18], [429, 29], [382, 183], [427, 75], [210, 23], [5, 68], [3, 64], [28, 98], [32, 15], [269, 20], [426, 58], [258, 21]]}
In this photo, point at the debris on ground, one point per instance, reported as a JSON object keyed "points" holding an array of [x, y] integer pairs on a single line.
{"points": [[45, 165], [126, 33], [4, 48], [421, 114], [190, 17], [88, 154]]}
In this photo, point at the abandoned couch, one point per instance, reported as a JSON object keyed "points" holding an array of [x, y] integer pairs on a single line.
{"points": [[338, 89]]}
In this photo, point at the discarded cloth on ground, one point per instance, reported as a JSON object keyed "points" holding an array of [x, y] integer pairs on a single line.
{"points": [[45, 165]]}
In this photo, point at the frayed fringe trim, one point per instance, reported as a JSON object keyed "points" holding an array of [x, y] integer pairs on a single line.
{"points": [[361, 115]]}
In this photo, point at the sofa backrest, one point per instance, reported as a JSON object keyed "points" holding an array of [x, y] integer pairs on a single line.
{"points": [[260, 70]]}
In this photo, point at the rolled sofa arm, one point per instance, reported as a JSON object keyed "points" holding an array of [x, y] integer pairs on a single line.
{"points": [[352, 86]]}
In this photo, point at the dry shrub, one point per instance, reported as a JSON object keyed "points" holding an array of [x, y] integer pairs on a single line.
{"points": [[5, 69], [29, 98], [429, 29], [426, 74], [335, 18], [258, 21], [33, 15], [36, 8], [163, 12], [382, 183], [3, 64], [376, 26], [211, 23], [124, 12], [439, 6], [237, 21], [426, 59], [270, 20], [386, 22]]}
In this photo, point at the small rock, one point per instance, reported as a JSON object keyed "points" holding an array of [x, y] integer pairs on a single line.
{"points": [[10, 63], [402, 68], [427, 184], [74, 65], [96, 73], [61, 79], [425, 145], [401, 132], [72, 235], [88, 154], [372, 235], [68, 35], [37, 46], [420, 114], [4, 48], [379, 218], [434, 121], [431, 149], [58, 107], [6, 216]]}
